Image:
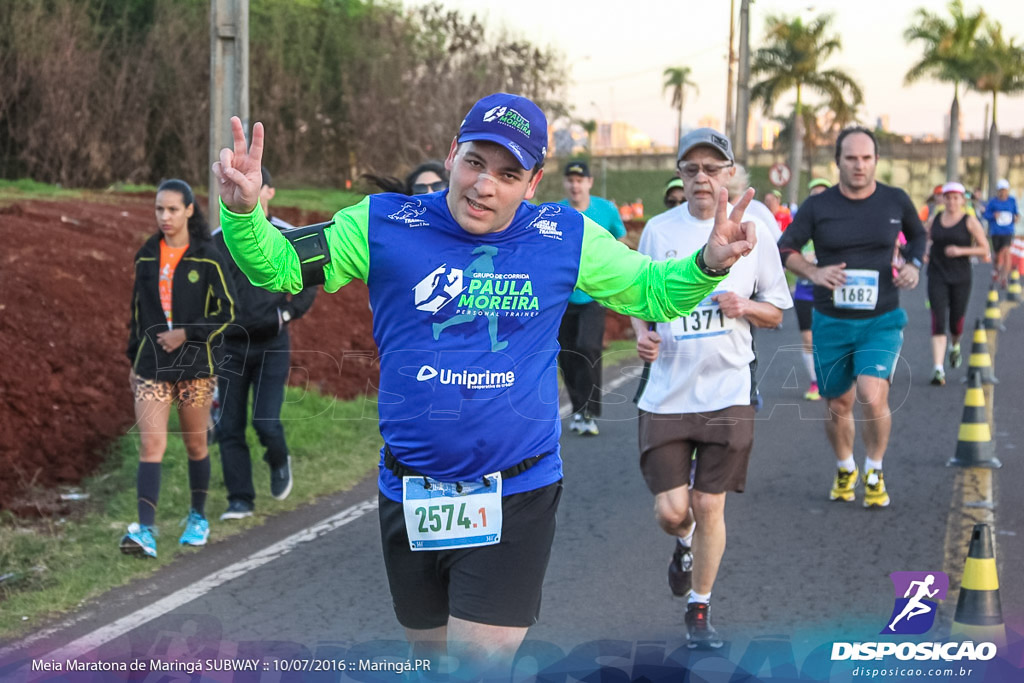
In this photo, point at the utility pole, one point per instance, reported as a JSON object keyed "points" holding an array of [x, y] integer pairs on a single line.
{"points": [[739, 140], [983, 161], [729, 130], [229, 82]]}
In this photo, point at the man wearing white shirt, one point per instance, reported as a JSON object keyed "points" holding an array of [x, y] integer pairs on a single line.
{"points": [[696, 423]]}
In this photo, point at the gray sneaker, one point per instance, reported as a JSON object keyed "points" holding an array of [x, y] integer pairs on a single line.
{"points": [[700, 634], [281, 480], [237, 509]]}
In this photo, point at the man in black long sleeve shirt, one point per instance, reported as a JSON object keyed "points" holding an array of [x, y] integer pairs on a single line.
{"points": [[257, 357], [857, 325]]}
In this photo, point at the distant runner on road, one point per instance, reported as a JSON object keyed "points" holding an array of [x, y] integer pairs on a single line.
{"points": [[858, 323], [696, 427], [953, 238]]}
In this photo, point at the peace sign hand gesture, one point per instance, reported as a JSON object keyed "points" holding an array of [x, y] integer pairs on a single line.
{"points": [[731, 237], [239, 171]]}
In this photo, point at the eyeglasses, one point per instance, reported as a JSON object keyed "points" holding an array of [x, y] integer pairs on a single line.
{"points": [[424, 188], [671, 203], [691, 170]]}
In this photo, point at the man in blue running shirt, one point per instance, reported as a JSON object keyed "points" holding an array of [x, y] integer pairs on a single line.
{"points": [[470, 472]]}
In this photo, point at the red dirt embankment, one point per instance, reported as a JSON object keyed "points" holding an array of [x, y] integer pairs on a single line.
{"points": [[65, 284]]}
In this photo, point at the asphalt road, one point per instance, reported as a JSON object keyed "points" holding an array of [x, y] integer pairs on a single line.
{"points": [[799, 572]]}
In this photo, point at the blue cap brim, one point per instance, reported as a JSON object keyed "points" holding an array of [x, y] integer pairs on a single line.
{"points": [[527, 161]]}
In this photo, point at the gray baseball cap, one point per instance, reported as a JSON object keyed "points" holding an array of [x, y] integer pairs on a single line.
{"points": [[705, 137]]}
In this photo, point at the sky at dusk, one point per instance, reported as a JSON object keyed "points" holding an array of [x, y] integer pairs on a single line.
{"points": [[616, 56]]}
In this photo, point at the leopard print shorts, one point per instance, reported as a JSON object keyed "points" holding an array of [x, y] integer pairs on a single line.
{"points": [[187, 393]]}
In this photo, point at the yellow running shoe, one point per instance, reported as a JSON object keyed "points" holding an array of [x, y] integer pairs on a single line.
{"points": [[844, 485], [812, 393], [874, 490]]}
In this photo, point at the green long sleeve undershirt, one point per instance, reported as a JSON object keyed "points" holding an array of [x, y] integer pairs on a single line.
{"points": [[612, 273]]}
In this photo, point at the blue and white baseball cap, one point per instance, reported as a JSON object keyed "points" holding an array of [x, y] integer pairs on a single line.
{"points": [[513, 122]]}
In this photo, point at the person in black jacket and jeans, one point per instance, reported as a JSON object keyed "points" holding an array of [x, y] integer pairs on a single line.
{"points": [[181, 306], [257, 358]]}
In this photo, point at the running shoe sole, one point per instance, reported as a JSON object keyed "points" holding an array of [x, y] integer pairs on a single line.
{"points": [[130, 546]]}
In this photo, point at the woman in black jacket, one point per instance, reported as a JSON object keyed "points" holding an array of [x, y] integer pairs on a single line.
{"points": [[181, 306]]}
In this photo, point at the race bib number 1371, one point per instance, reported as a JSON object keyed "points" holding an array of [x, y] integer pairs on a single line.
{"points": [[707, 320]]}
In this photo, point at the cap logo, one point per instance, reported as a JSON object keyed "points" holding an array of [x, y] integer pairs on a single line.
{"points": [[720, 141], [516, 149], [509, 117], [494, 113]]}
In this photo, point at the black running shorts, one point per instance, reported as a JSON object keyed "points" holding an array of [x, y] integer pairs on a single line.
{"points": [[1000, 242], [497, 585], [804, 309]]}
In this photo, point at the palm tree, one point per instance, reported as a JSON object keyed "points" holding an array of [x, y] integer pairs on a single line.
{"points": [[677, 79], [813, 134], [948, 54], [794, 58], [590, 127], [998, 67]]}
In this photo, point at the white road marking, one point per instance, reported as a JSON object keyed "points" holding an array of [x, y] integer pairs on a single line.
{"points": [[196, 590]]}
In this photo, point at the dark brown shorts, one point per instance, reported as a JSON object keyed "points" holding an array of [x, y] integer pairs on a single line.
{"points": [[722, 440]]}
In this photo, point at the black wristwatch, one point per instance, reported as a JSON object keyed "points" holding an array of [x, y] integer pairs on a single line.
{"points": [[703, 266]]}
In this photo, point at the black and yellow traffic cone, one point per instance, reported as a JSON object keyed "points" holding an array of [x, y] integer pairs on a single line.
{"points": [[979, 614], [980, 362], [993, 314], [974, 447], [1013, 290]]}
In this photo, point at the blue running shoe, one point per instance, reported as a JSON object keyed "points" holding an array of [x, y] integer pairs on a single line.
{"points": [[140, 541], [197, 529]]}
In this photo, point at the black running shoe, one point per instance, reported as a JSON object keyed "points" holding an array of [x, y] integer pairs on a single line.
{"points": [[700, 634], [281, 480], [680, 570], [237, 509]]}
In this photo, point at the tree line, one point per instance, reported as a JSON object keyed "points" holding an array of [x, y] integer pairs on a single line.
{"points": [[94, 92], [960, 47]]}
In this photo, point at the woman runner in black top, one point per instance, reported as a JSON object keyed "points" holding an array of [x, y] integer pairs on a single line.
{"points": [[953, 236]]}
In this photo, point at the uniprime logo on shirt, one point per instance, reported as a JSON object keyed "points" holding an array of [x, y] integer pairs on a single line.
{"points": [[465, 378]]}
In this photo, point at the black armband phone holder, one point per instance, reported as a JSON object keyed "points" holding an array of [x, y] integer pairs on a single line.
{"points": [[310, 244]]}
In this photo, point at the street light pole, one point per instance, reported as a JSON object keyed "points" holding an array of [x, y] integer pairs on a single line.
{"points": [[229, 82], [740, 143], [729, 130]]}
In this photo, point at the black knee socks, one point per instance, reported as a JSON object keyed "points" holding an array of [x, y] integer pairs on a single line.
{"points": [[147, 484], [199, 482]]}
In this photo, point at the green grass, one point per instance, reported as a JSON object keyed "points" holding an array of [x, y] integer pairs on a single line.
{"points": [[325, 201], [30, 189], [59, 563], [311, 199]]}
